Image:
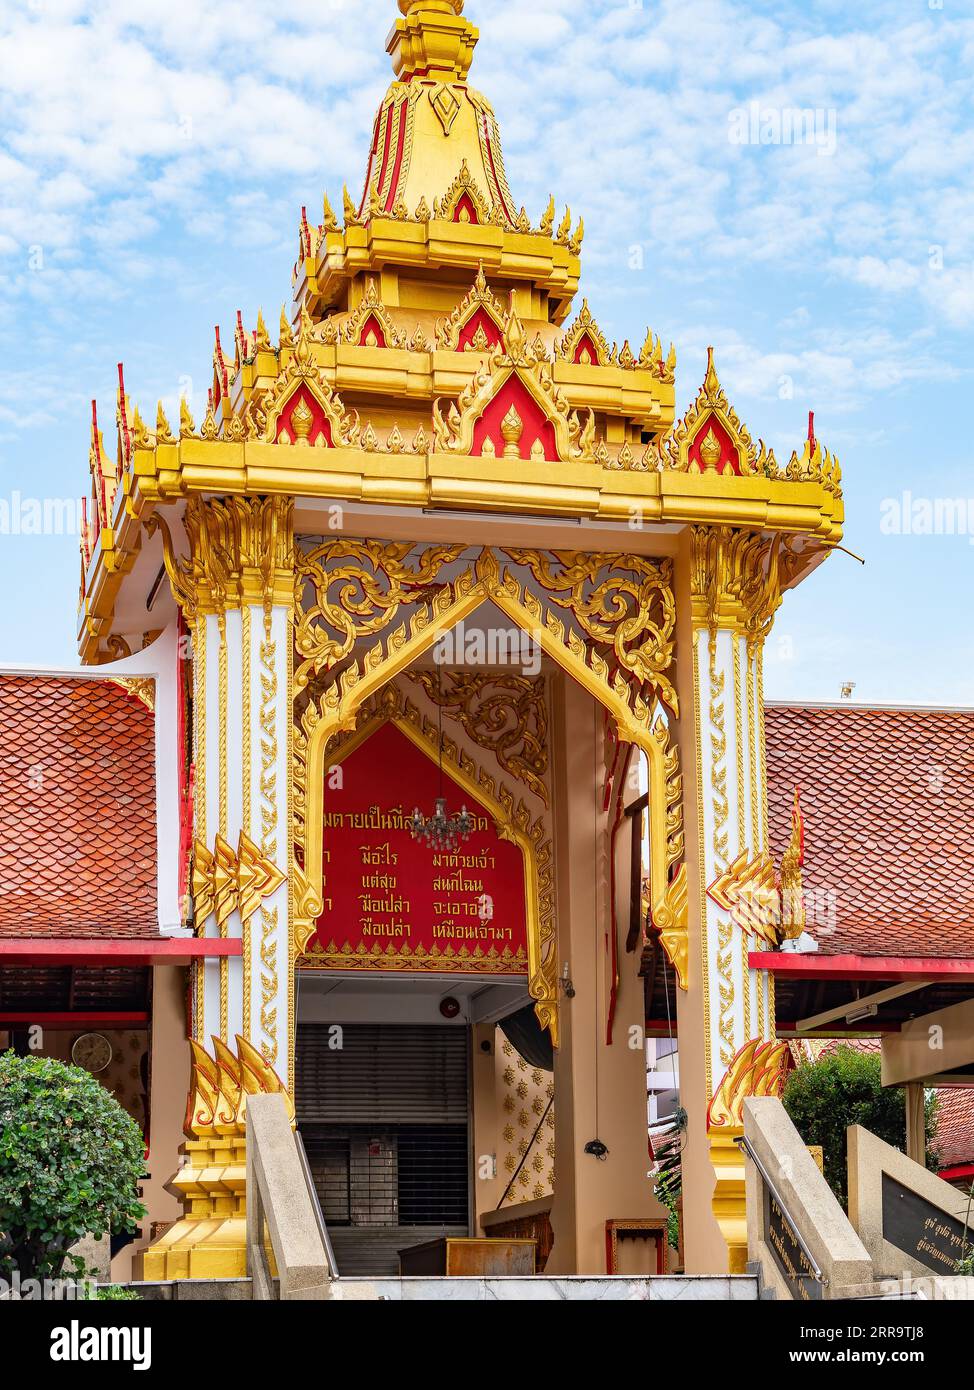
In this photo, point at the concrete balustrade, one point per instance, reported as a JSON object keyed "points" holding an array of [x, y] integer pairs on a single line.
{"points": [[283, 1240]]}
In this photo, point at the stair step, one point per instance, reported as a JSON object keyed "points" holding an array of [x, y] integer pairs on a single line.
{"points": [[373, 1251]]}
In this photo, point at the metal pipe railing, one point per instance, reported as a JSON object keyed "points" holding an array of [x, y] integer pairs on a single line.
{"points": [[316, 1203], [817, 1274]]}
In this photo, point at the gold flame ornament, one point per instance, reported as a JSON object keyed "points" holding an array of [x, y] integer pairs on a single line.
{"points": [[512, 428], [710, 451], [302, 419]]}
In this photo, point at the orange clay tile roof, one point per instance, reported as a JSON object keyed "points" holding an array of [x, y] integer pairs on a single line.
{"points": [[77, 809], [955, 1126], [888, 802]]}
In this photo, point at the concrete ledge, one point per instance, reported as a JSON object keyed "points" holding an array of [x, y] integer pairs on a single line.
{"points": [[935, 1289], [277, 1195], [661, 1288], [194, 1291], [872, 1163]]}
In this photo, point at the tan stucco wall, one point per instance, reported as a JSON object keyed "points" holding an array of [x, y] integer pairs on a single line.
{"points": [[509, 1100], [600, 1089], [168, 1087]]}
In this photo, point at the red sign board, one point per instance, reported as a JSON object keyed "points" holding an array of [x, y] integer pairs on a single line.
{"points": [[392, 903]]}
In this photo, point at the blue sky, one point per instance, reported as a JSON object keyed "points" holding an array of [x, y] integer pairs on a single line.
{"points": [[154, 159]]}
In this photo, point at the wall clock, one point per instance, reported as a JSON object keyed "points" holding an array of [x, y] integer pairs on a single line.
{"points": [[91, 1051]]}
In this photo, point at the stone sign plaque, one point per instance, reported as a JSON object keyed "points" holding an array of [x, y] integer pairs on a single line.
{"points": [[920, 1229], [788, 1254]]}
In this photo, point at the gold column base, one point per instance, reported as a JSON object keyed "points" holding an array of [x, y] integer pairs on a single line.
{"points": [[210, 1242], [728, 1201]]}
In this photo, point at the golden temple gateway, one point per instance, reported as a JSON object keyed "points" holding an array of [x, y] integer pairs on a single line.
{"points": [[442, 638]]}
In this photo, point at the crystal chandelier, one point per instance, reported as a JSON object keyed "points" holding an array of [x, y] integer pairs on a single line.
{"points": [[441, 831]]}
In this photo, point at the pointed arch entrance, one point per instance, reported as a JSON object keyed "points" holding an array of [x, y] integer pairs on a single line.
{"points": [[607, 620]]}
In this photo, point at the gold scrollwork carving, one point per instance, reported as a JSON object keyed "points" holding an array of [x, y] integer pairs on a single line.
{"points": [[584, 326], [479, 298], [504, 714], [371, 309], [241, 551], [759, 1068], [463, 188], [226, 881], [738, 579], [333, 708], [220, 1085], [530, 363], [358, 588], [671, 916], [623, 602]]}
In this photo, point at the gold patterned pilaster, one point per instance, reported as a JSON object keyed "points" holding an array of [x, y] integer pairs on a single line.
{"points": [[199, 807], [737, 582], [248, 778], [759, 1068], [240, 559]]}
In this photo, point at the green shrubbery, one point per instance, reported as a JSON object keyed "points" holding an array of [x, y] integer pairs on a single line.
{"points": [[845, 1088], [70, 1164]]}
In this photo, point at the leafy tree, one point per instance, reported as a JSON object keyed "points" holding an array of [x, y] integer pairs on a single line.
{"points": [[841, 1089], [669, 1179], [70, 1163]]}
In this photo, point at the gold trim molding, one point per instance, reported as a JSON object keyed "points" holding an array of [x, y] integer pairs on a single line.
{"points": [[338, 679], [454, 597]]}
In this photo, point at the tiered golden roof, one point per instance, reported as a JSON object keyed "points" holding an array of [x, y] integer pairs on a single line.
{"points": [[423, 326]]}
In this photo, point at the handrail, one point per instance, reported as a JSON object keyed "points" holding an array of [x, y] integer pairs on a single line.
{"points": [[817, 1274], [280, 1210], [316, 1203]]}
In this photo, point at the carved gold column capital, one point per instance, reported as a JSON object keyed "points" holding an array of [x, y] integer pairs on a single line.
{"points": [[241, 553], [737, 579]]}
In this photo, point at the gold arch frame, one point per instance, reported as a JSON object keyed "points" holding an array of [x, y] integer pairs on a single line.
{"points": [[338, 708]]}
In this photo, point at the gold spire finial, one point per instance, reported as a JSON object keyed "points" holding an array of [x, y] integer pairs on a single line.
{"points": [[302, 419], [432, 38], [710, 450], [792, 863], [455, 5]]}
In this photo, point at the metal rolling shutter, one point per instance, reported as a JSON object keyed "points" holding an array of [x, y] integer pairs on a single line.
{"points": [[382, 1074], [384, 1119]]}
